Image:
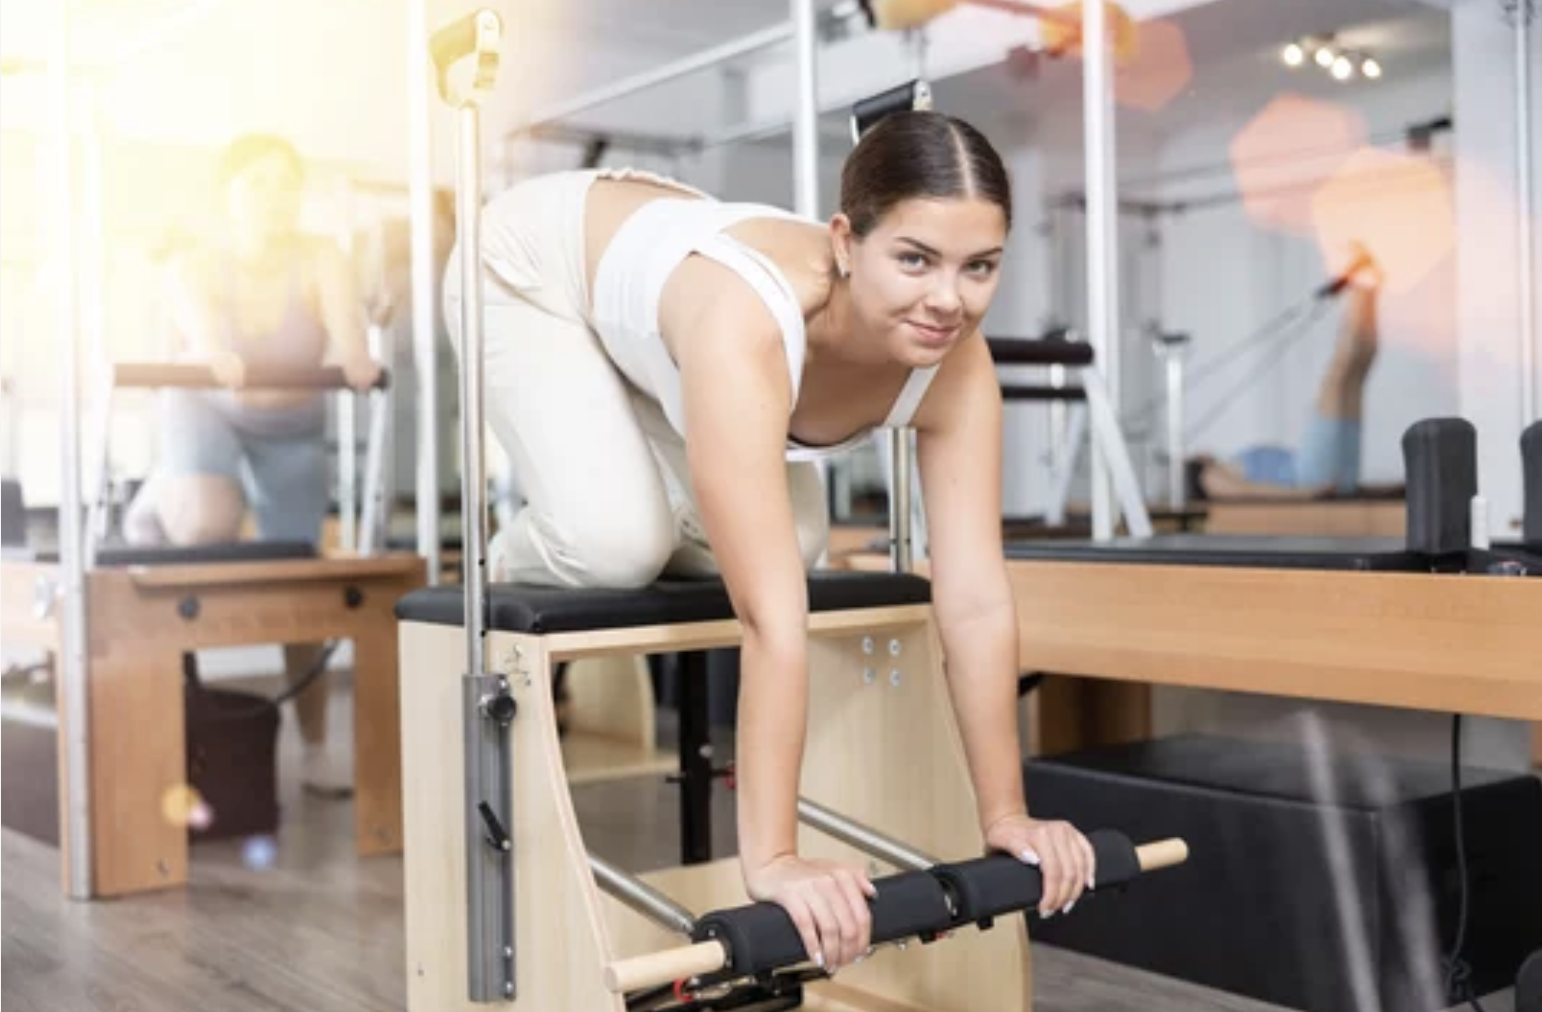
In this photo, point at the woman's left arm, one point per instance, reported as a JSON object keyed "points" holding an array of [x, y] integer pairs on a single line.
{"points": [[958, 437], [342, 313]]}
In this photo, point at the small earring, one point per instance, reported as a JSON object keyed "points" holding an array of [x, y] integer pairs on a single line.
{"points": [[845, 272]]}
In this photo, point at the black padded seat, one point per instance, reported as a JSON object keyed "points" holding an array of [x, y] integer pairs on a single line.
{"points": [[542, 610], [177, 555], [1039, 351], [409, 543], [1261, 551], [1362, 554], [1358, 497]]}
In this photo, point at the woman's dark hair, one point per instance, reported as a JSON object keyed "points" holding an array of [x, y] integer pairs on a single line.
{"points": [[920, 154], [245, 150]]}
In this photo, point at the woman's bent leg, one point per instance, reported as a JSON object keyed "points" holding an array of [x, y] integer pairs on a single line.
{"points": [[595, 514]]}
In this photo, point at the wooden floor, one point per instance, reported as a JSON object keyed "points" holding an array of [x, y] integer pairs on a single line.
{"points": [[297, 924]]}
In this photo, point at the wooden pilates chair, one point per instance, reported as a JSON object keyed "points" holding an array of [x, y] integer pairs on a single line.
{"points": [[148, 609], [499, 882]]}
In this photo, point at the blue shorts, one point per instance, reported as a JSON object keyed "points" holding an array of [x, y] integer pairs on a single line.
{"points": [[1328, 457], [278, 456]]}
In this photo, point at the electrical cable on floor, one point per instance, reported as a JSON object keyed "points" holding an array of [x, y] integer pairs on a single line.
{"points": [[312, 673], [1458, 970]]}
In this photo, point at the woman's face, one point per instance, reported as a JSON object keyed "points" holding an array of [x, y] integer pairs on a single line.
{"points": [[264, 197], [922, 280]]}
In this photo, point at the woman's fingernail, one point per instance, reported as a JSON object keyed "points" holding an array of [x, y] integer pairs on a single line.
{"points": [[1068, 907], [819, 959], [1029, 856], [1043, 916], [1091, 884]]}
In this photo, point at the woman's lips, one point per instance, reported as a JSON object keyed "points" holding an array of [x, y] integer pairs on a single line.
{"points": [[933, 335]]}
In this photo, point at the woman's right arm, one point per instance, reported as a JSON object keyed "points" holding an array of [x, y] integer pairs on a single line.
{"points": [[738, 398]]}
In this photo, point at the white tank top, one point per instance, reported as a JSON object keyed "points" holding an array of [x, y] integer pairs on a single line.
{"points": [[628, 281]]}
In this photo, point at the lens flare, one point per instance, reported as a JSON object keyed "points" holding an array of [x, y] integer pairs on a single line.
{"points": [[1284, 152], [259, 853], [1398, 206], [1159, 71], [183, 806]]}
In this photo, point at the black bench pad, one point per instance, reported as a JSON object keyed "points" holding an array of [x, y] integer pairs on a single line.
{"points": [[1366, 554], [175, 555], [541, 610]]}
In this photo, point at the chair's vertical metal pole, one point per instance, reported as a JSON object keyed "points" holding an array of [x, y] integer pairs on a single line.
{"points": [[468, 188], [901, 546], [77, 831], [488, 708]]}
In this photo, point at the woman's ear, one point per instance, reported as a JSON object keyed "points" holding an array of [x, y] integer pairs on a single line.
{"points": [[840, 243]]}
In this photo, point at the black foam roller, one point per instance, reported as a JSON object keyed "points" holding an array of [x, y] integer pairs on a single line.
{"points": [[1440, 461], [1001, 884], [762, 937], [1531, 469]]}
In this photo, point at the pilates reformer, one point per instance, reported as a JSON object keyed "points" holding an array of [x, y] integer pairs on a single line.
{"points": [[1108, 609], [505, 904], [150, 607], [1440, 619]]}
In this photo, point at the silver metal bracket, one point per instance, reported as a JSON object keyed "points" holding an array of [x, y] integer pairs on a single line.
{"points": [[488, 710]]}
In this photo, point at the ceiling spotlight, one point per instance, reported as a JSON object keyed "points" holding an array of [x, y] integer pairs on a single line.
{"points": [[1343, 69], [1370, 68], [1324, 56], [1293, 55]]}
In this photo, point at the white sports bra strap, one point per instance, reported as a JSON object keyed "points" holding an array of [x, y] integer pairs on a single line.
{"points": [[774, 290], [910, 397]]}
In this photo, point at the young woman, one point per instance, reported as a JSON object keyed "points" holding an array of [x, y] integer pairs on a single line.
{"points": [[663, 370], [1327, 459], [268, 295]]}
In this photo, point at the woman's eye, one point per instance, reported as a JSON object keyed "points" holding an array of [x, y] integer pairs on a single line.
{"points": [[982, 267]]}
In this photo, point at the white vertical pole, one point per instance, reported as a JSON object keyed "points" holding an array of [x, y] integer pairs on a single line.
{"points": [[77, 827], [805, 127], [1525, 219], [421, 209], [1102, 236]]}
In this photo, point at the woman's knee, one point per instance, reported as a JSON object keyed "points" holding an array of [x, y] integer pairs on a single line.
{"points": [[625, 550], [200, 509]]}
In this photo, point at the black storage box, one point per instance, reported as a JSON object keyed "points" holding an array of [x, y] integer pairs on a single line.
{"points": [[232, 761], [232, 740], [1326, 883]]}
